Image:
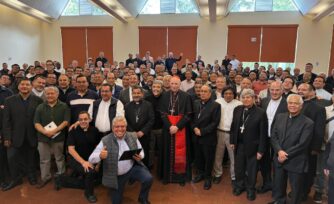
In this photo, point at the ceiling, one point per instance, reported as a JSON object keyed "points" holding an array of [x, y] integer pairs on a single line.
{"points": [[124, 10]]}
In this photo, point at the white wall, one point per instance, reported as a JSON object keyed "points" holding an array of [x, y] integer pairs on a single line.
{"points": [[20, 37], [43, 41]]}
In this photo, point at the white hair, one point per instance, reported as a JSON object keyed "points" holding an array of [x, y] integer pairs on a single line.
{"points": [[119, 119], [295, 95]]}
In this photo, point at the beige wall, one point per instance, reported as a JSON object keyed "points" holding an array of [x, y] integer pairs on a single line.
{"points": [[20, 37], [313, 44]]}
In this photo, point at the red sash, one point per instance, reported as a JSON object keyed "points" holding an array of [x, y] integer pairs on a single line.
{"points": [[180, 146]]}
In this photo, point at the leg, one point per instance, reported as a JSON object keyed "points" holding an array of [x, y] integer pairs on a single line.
{"points": [[319, 180], [58, 149], [309, 176], [265, 168], [240, 168], [141, 174], [152, 147], [209, 158], [145, 142], [45, 160], [331, 188], [230, 154], [220, 148], [280, 183], [14, 160], [296, 181], [3, 164], [200, 161], [117, 194], [29, 154], [252, 169]]}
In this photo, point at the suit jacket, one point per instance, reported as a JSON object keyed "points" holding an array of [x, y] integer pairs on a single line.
{"points": [[294, 140], [282, 107], [207, 120], [16, 117], [117, 91], [329, 154], [255, 133], [124, 96]]}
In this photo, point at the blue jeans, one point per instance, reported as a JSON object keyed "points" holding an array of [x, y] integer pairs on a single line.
{"points": [[331, 187], [138, 173]]}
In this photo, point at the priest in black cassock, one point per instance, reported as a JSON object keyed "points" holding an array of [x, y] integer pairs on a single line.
{"points": [[176, 108], [205, 122], [248, 140], [139, 114]]}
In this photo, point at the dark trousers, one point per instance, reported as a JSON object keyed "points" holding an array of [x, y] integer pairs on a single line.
{"points": [[205, 158], [145, 143], [310, 175], [245, 163], [22, 161], [3, 164], [331, 188], [138, 173], [84, 181], [265, 167], [281, 180]]}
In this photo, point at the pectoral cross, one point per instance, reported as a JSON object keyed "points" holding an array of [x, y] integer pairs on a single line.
{"points": [[242, 129], [137, 118], [171, 111]]}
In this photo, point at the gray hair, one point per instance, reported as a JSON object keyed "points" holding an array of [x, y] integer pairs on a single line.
{"points": [[158, 82], [51, 88], [295, 95], [247, 92], [119, 119]]}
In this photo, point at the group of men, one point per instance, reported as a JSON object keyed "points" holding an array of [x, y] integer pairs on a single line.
{"points": [[182, 117]]}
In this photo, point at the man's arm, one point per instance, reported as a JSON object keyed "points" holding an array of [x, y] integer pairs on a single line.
{"points": [[94, 158]]}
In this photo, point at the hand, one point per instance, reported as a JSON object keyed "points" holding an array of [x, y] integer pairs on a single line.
{"points": [[326, 172], [104, 153], [73, 126], [173, 129], [282, 155], [137, 157], [50, 133], [314, 152], [197, 132], [259, 156], [232, 146], [181, 54], [7, 143], [140, 134], [86, 165]]}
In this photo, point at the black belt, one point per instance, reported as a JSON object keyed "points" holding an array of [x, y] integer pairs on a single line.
{"points": [[224, 131]]}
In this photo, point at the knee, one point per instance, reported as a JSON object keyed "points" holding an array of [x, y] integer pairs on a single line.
{"points": [[148, 178]]}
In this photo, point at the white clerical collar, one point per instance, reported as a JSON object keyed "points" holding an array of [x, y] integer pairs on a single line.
{"points": [[277, 101]]}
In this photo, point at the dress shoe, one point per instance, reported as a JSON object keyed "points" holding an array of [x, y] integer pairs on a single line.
{"points": [[57, 183], [217, 180], [263, 189], [42, 183], [198, 178], [91, 198], [12, 184], [304, 197], [251, 195], [273, 202], [3, 184], [238, 191], [207, 184], [317, 198], [143, 201], [182, 183], [32, 181]]}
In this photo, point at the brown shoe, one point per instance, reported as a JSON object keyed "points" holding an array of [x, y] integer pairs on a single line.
{"points": [[42, 183]]}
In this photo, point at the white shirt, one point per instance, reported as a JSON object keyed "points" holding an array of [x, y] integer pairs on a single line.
{"points": [[38, 93], [323, 94], [271, 111], [329, 125], [226, 114], [186, 85], [123, 166], [235, 63], [130, 93], [102, 121], [119, 82]]}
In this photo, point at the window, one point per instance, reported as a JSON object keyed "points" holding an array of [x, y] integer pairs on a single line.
{"points": [[263, 5], [284, 65], [169, 6], [82, 8]]}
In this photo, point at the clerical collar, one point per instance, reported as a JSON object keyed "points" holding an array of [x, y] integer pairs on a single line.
{"points": [[205, 102], [293, 116], [138, 102]]}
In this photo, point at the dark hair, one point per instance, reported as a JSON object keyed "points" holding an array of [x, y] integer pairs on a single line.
{"points": [[106, 85], [138, 87], [81, 76], [289, 77], [39, 76], [226, 88], [84, 112], [323, 79], [24, 79]]}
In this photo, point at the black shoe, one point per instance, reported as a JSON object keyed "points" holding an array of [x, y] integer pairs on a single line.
{"points": [[263, 189], [198, 178], [207, 184], [57, 182], [217, 180], [317, 198], [41, 184], [251, 195], [182, 183], [238, 191], [3, 184], [12, 184], [91, 198], [143, 201], [32, 181], [273, 202]]}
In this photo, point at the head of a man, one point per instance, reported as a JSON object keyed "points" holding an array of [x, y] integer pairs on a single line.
{"points": [[307, 76], [24, 86], [288, 84], [247, 97], [137, 93], [5, 80], [276, 90], [295, 104], [157, 88], [228, 94], [125, 81], [306, 91], [308, 67], [50, 66], [205, 93], [246, 83], [51, 94], [63, 81], [51, 79], [119, 126], [39, 83], [174, 84], [84, 120], [133, 80], [319, 82], [111, 78], [220, 82], [81, 83], [106, 92]]}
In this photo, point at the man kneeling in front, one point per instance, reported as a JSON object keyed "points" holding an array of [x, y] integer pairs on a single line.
{"points": [[117, 173]]}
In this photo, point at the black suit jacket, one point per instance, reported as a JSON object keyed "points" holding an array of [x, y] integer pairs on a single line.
{"points": [[282, 107], [207, 120], [255, 133], [15, 118], [295, 141]]}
